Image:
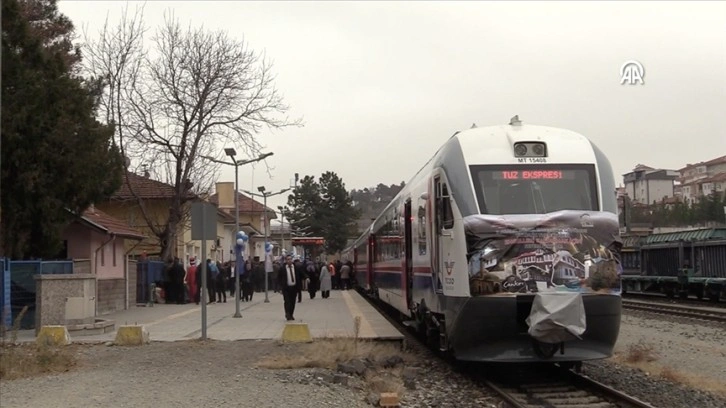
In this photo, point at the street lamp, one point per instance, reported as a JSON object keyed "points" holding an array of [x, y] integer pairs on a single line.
{"points": [[265, 194], [282, 226], [229, 151]]}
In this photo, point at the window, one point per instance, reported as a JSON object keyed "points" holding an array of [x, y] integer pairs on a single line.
{"points": [[529, 189], [103, 256], [113, 253], [421, 228], [444, 213], [446, 208]]}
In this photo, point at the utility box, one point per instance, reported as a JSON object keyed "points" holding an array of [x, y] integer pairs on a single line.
{"points": [[64, 299]]}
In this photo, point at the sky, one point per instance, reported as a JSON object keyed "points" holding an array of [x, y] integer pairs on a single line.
{"points": [[380, 86]]}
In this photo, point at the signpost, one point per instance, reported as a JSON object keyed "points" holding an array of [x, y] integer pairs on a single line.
{"points": [[204, 227]]}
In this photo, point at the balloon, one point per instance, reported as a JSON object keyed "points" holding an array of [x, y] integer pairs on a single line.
{"points": [[241, 239]]}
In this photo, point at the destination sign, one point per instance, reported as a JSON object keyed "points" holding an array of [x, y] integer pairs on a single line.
{"points": [[533, 175]]}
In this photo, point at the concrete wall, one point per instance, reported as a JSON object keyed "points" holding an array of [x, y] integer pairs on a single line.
{"points": [[64, 300], [111, 296], [131, 290], [79, 240], [109, 255]]}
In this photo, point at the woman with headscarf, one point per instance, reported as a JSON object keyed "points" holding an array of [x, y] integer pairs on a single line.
{"points": [[325, 282]]}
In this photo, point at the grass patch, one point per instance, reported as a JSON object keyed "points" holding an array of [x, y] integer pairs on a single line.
{"points": [[640, 352], [328, 352], [28, 360], [668, 373], [679, 377]]}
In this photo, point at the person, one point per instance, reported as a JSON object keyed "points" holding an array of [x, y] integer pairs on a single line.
{"points": [[301, 271], [325, 281], [288, 280], [177, 282], [191, 280], [212, 273], [345, 276], [247, 281], [221, 282], [313, 276]]}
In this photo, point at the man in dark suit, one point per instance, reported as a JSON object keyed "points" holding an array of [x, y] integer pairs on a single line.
{"points": [[289, 280]]}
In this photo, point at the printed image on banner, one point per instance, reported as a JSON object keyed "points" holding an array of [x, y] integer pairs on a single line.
{"points": [[572, 251]]}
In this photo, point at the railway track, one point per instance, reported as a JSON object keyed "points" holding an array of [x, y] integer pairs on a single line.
{"points": [[529, 385], [554, 387], [711, 314]]}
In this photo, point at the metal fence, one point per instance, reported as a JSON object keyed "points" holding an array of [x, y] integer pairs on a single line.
{"points": [[147, 272], [18, 287]]}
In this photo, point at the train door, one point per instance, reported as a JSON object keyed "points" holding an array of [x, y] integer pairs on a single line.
{"points": [[443, 232], [408, 252], [371, 260]]}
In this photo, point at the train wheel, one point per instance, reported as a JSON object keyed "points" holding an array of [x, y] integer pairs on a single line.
{"points": [[699, 292], [432, 337]]}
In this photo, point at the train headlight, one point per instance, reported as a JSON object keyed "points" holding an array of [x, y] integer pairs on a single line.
{"points": [[530, 149], [520, 149], [538, 149]]}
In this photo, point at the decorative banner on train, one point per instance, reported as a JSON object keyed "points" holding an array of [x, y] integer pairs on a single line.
{"points": [[568, 251]]}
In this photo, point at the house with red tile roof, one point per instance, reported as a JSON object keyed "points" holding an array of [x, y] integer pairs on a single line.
{"points": [[141, 201], [251, 218], [97, 243]]}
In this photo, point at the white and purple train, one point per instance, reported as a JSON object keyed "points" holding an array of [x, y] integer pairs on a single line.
{"points": [[504, 247]]}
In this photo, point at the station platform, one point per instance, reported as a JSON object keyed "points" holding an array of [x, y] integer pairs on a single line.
{"points": [[331, 317]]}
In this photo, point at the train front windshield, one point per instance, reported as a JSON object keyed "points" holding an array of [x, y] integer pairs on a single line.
{"points": [[535, 189]]}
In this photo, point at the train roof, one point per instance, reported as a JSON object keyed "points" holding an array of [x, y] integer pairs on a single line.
{"points": [[495, 145], [702, 234]]}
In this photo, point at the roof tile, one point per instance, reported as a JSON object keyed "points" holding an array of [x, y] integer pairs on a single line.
{"points": [[111, 224], [246, 205], [144, 187]]}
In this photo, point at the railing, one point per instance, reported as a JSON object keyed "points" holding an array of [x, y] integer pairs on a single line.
{"points": [[18, 287]]}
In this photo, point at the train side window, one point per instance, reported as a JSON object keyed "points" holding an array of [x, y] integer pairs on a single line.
{"points": [[445, 208], [421, 227]]}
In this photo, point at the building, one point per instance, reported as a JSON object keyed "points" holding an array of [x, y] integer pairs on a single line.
{"points": [[645, 185], [701, 179], [217, 249], [281, 236], [251, 219], [99, 244], [141, 201]]}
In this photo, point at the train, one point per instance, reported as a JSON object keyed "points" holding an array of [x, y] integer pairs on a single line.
{"points": [[676, 264], [503, 248]]}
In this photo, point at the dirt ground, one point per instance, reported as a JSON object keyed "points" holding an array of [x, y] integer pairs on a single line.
{"points": [[271, 374], [677, 349]]}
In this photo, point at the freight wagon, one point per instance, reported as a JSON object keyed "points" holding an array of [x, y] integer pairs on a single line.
{"points": [[686, 263]]}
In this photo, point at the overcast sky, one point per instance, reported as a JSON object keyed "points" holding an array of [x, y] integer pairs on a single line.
{"points": [[381, 85]]}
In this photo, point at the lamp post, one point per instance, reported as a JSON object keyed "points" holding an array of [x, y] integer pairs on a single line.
{"points": [[264, 194], [282, 226], [229, 151]]}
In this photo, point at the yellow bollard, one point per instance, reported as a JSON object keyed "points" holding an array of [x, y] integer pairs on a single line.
{"points": [[53, 336], [131, 336], [296, 333]]}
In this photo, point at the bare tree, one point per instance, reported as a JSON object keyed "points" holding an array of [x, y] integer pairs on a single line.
{"points": [[194, 91]]}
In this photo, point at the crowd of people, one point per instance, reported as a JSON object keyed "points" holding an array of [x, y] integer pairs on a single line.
{"points": [[182, 285]]}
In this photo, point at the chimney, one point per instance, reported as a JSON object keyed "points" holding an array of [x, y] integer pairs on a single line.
{"points": [[92, 209], [225, 194]]}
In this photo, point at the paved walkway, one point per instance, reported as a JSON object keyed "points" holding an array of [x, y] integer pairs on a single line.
{"points": [[332, 317]]}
